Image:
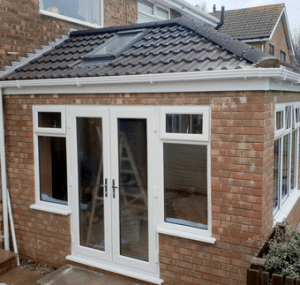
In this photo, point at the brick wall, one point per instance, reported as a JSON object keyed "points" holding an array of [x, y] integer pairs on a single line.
{"points": [[23, 29], [242, 141], [279, 41], [120, 12]]}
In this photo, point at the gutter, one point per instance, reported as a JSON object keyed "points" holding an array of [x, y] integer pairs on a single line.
{"points": [[3, 176], [155, 82]]}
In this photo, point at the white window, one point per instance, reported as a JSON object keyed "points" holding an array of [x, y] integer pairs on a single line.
{"points": [[184, 152], [286, 150], [50, 159], [150, 11], [81, 11]]}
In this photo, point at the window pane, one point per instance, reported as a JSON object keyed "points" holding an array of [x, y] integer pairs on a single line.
{"points": [[279, 120], [133, 188], [90, 179], [184, 124], [53, 169], [145, 6], [285, 166], [293, 160], [276, 179], [288, 117], [185, 185], [84, 10], [297, 110], [49, 120], [162, 13], [142, 18]]}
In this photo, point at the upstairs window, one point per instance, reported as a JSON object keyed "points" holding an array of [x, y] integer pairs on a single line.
{"points": [[150, 11], [271, 49], [282, 56], [88, 11]]}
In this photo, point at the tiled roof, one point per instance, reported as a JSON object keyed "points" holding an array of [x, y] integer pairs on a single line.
{"points": [[169, 46], [250, 23]]}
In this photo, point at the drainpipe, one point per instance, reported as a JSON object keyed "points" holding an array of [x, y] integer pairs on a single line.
{"points": [[3, 176]]}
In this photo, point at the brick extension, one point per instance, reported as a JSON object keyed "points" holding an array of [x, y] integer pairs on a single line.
{"points": [[241, 171]]}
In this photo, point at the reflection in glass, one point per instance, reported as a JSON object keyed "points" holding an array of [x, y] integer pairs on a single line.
{"points": [[276, 178], [279, 120], [90, 178], [49, 119], [288, 117], [53, 169], [285, 165], [293, 160], [185, 184], [184, 123], [133, 188]]}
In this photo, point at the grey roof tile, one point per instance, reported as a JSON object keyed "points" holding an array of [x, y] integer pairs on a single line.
{"points": [[169, 46]]}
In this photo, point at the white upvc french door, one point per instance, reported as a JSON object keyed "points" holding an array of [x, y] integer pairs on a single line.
{"points": [[112, 178]]}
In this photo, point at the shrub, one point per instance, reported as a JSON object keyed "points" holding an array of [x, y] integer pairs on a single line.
{"points": [[284, 255]]}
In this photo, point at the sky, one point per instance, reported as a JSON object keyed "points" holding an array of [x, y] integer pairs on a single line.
{"points": [[292, 7]]}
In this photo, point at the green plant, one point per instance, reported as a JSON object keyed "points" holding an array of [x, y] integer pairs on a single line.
{"points": [[284, 255]]}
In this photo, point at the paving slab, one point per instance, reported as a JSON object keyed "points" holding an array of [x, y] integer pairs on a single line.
{"points": [[19, 276], [73, 275]]}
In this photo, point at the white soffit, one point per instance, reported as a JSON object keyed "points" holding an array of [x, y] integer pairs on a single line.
{"points": [[211, 81]]}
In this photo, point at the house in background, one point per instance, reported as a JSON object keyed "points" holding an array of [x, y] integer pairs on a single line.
{"points": [[32, 24], [264, 27], [154, 150]]}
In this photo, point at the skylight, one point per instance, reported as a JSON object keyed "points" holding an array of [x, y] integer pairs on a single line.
{"points": [[115, 46]]}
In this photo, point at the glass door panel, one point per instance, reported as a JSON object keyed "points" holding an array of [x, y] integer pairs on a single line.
{"points": [[90, 182], [133, 181]]}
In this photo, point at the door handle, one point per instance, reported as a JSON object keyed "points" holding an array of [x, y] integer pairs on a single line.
{"points": [[114, 187], [105, 187]]}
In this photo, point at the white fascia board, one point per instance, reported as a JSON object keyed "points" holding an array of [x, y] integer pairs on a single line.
{"points": [[212, 81], [190, 11]]}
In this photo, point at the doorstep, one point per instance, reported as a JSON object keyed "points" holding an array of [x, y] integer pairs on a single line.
{"points": [[74, 275]]}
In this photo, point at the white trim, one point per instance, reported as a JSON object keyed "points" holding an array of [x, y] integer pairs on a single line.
{"points": [[287, 207], [116, 269], [218, 80], [154, 16], [190, 11], [183, 234], [48, 208], [72, 20], [49, 109]]}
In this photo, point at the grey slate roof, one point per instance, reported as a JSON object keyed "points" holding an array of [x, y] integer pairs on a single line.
{"points": [[169, 46], [250, 23]]}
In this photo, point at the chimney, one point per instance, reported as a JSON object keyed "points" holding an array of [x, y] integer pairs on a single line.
{"points": [[214, 8]]}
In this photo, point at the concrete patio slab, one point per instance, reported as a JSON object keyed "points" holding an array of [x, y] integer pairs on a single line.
{"points": [[73, 275]]}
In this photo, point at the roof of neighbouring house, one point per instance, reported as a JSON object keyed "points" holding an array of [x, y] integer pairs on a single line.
{"points": [[251, 23], [179, 45]]}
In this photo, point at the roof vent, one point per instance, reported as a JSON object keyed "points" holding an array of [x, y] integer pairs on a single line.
{"points": [[112, 48], [221, 23]]}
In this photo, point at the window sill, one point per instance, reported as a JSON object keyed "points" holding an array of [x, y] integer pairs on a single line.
{"points": [[186, 235], [287, 207], [69, 19], [50, 209]]}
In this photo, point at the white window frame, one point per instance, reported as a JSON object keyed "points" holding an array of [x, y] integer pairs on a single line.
{"points": [[74, 20], [285, 204], [48, 132], [154, 16], [192, 139]]}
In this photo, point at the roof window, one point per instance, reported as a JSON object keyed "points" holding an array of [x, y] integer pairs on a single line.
{"points": [[115, 46]]}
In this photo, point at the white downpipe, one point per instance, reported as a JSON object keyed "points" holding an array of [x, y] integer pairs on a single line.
{"points": [[3, 176], [12, 228]]}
